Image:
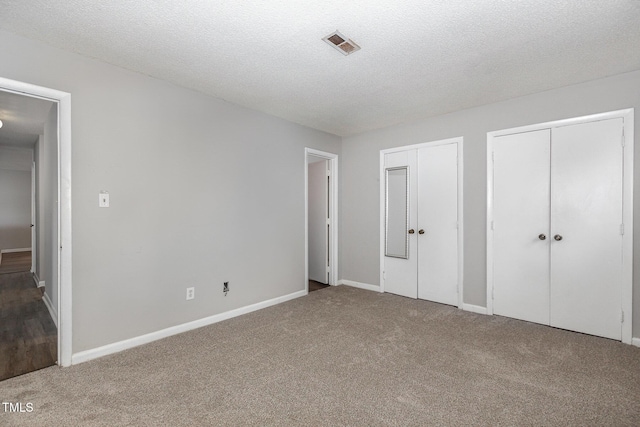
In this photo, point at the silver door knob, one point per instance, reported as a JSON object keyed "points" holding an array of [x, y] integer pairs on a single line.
{"points": [[421, 231], [542, 237], [557, 237], [411, 231]]}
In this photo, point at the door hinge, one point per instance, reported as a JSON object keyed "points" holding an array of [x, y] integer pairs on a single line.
{"points": [[384, 275], [328, 221], [622, 229], [621, 316], [328, 269], [623, 136], [493, 157]]}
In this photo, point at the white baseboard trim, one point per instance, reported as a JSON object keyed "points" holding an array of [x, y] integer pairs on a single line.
{"points": [[474, 308], [366, 286], [52, 310], [7, 251], [116, 347], [39, 283], [635, 341]]}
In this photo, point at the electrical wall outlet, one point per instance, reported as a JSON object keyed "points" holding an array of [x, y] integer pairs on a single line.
{"points": [[191, 293]]}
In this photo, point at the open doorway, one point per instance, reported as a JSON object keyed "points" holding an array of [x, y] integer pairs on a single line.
{"points": [[37, 121], [321, 211], [28, 186]]}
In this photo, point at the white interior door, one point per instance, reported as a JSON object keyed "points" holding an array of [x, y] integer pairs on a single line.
{"points": [[521, 225], [437, 223], [400, 260], [586, 211]]}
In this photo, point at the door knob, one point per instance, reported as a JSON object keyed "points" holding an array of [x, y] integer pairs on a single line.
{"points": [[421, 231], [557, 237], [542, 237], [411, 231]]}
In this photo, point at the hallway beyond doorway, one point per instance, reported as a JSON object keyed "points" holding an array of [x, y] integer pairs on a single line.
{"points": [[315, 286], [28, 336], [15, 262]]}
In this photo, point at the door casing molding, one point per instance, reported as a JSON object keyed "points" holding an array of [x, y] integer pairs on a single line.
{"points": [[460, 144], [627, 204], [63, 101], [333, 214]]}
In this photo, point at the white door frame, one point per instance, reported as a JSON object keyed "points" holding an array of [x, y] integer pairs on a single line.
{"points": [[333, 213], [63, 101], [34, 249], [627, 205], [460, 143]]}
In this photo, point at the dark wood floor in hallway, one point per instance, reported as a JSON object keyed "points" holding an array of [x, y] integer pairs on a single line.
{"points": [[28, 336], [315, 286], [14, 262]]}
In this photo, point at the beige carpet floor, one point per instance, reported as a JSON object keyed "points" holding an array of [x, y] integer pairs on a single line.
{"points": [[345, 357]]}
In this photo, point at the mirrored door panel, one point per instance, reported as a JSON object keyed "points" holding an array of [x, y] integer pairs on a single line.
{"points": [[397, 212]]}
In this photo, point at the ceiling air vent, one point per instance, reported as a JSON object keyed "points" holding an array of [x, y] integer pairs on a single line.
{"points": [[341, 43]]}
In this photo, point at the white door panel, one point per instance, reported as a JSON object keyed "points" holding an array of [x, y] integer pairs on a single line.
{"points": [[521, 215], [437, 216], [401, 275], [586, 210]]}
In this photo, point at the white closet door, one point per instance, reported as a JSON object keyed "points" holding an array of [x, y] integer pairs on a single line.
{"points": [[437, 224], [521, 226], [586, 211], [400, 262]]}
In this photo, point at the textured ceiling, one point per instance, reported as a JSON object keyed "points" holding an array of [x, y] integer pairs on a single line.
{"points": [[418, 59], [23, 119]]}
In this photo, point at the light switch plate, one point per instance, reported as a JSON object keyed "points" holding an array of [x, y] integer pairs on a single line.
{"points": [[103, 201]]}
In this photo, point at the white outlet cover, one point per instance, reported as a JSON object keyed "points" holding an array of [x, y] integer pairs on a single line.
{"points": [[191, 293]]}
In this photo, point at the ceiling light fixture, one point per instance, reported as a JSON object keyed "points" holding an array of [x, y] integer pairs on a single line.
{"points": [[341, 43]]}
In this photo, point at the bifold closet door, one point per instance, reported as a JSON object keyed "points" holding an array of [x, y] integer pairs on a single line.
{"points": [[521, 225], [586, 214], [557, 227], [421, 230], [437, 224]]}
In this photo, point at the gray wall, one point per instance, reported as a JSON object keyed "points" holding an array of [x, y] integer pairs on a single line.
{"points": [[46, 157], [202, 191], [48, 206], [15, 209], [38, 155], [359, 228]]}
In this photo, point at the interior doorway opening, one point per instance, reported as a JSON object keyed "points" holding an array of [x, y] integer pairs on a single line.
{"points": [[56, 169], [321, 219]]}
